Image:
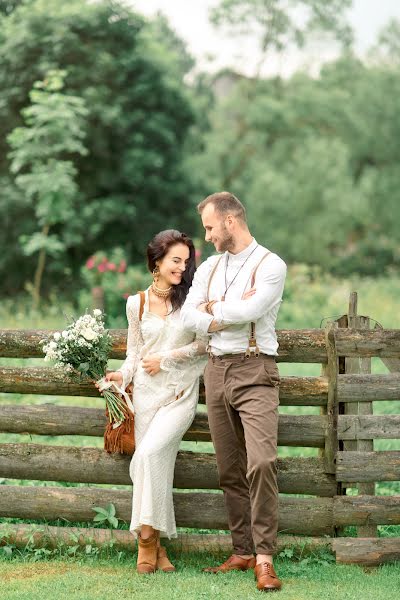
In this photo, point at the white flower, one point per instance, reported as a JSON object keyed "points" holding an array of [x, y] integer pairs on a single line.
{"points": [[52, 345], [97, 312], [57, 336], [89, 334], [65, 334]]}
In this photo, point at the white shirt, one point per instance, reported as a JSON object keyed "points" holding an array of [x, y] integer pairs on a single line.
{"points": [[261, 308]]}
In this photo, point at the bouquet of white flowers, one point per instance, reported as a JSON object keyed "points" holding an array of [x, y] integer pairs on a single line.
{"points": [[84, 347]]}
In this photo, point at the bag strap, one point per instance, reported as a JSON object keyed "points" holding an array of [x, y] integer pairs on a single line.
{"points": [[142, 301]]}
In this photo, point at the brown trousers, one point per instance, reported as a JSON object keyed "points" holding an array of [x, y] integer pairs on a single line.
{"points": [[242, 398]]}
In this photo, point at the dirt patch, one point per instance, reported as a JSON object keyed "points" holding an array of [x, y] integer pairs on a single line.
{"points": [[29, 571]]}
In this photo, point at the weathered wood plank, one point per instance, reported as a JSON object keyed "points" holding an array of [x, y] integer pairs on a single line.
{"points": [[299, 391], [296, 345], [47, 536], [360, 366], [368, 466], [364, 343], [49, 419], [367, 427], [366, 510], [367, 387], [193, 470], [302, 516], [332, 368], [302, 345], [364, 551]]}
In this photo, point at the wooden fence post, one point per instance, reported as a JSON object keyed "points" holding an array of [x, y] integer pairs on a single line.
{"points": [[331, 372], [360, 366]]}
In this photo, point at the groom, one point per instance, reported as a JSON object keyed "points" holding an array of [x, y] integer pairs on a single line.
{"points": [[235, 297]]}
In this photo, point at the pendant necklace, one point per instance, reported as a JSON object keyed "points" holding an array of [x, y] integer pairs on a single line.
{"points": [[237, 273]]}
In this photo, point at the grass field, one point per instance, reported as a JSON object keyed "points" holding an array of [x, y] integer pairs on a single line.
{"points": [[104, 579]]}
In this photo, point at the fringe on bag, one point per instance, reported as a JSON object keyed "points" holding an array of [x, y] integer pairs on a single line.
{"points": [[121, 439]]}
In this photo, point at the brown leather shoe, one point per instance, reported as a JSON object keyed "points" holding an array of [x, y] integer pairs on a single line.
{"points": [[267, 580], [234, 563], [147, 554], [163, 562]]}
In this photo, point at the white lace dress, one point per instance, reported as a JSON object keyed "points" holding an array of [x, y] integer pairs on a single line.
{"points": [[160, 418]]}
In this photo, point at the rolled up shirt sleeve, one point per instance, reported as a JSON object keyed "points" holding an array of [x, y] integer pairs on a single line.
{"points": [[270, 281], [191, 318]]}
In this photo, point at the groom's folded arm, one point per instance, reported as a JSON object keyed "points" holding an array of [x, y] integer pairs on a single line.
{"points": [[192, 318], [269, 289]]}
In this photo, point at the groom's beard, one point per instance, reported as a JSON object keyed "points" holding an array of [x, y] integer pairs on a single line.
{"points": [[226, 242]]}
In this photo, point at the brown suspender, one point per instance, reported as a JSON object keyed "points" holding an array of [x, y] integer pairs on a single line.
{"points": [[252, 338], [212, 275], [252, 347]]}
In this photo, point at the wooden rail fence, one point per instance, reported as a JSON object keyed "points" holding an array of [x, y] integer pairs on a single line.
{"points": [[343, 432]]}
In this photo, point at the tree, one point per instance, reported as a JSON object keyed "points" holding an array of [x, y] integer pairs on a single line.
{"points": [[55, 129], [8, 6], [279, 24], [132, 183]]}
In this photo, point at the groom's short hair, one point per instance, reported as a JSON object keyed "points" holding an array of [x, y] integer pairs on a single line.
{"points": [[224, 203]]}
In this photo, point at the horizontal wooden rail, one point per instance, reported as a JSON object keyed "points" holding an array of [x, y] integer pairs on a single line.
{"points": [[366, 510], [295, 345], [306, 516], [368, 466], [194, 470], [48, 536], [299, 391], [302, 345], [48, 419], [368, 427], [366, 551], [365, 388]]}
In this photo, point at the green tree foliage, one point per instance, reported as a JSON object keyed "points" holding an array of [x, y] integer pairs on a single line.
{"points": [[316, 164], [54, 129], [132, 183]]}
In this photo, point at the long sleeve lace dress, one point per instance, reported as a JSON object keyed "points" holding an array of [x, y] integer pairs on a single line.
{"points": [[164, 404]]}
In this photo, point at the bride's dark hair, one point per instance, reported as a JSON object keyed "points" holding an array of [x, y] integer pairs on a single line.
{"points": [[158, 248]]}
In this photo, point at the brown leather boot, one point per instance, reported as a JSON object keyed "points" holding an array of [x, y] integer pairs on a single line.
{"points": [[267, 579], [163, 562], [147, 554]]}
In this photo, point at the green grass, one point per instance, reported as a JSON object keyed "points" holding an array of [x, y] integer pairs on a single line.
{"points": [[104, 579]]}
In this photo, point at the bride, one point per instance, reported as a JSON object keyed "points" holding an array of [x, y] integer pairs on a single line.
{"points": [[164, 362]]}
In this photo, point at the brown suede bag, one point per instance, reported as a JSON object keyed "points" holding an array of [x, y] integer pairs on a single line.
{"points": [[121, 439]]}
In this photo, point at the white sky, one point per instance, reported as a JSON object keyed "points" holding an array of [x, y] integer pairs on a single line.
{"points": [[189, 18]]}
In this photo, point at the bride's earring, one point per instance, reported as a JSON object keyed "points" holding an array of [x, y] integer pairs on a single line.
{"points": [[156, 274]]}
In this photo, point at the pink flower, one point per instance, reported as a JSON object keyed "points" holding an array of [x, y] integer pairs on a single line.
{"points": [[112, 266], [126, 296], [197, 253], [102, 268], [122, 266], [104, 260], [90, 263]]}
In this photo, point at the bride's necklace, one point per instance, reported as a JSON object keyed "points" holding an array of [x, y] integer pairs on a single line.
{"points": [[160, 292]]}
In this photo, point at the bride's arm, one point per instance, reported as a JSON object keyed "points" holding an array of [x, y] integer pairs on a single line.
{"points": [[134, 341], [177, 357]]}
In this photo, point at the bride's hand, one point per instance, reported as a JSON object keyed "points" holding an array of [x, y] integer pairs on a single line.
{"points": [[151, 364], [113, 376]]}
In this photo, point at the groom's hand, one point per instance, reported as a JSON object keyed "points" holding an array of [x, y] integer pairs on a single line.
{"points": [[151, 364]]}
